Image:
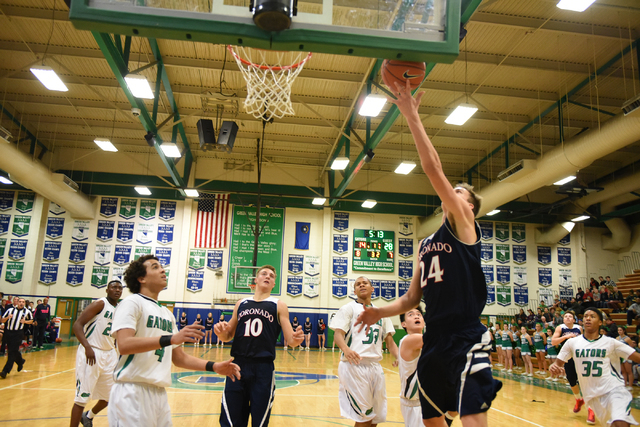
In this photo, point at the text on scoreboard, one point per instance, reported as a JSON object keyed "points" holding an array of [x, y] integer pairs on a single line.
{"points": [[373, 250]]}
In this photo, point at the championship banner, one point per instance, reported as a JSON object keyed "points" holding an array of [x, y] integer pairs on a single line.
{"points": [[521, 295], [519, 254], [75, 275], [311, 286], [405, 270], [544, 276], [503, 295], [4, 224], [24, 203], [56, 209], [502, 231], [312, 265], [80, 230], [197, 258], [339, 287], [142, 251], [294, 285], [376, 289], [14, 272], [167, 272], [6, 200], [48, 274], [17, 249], [128, 208], [145, 233], [3, 247], [167, 210], [117, 273], [566, 292], [125, 231], [488, 274], [122, 255], [403, 287], [564, 256], [214, 258], [51, 251], [296, 264], [105, 230], [405, 248], [165, 234], [565, 275], [388, 289], [491, 295], [546, 295], [78, 252], [520, 276], [518, 233], [340, 221], [486, 252], [544, 255], [351, 292], [486, 228], [503, 253], [503, 274], [99, 276], [21, 225], [55, 227], [108, 206], [341, 243], [148, 209], [340, 266], [406, 226], [303, 231], [565, 241], [195, 279], [102, 255]]}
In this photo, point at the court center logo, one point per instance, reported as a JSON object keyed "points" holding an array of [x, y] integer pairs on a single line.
{"points": [[206, 381]]}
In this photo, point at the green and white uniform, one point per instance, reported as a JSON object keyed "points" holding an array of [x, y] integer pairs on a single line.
{"points": [[409, 392], [552, 350], [139, 398], [538, 342], [506, 340], [525, 348], [498, 336], [624, 342], [516, 340]]}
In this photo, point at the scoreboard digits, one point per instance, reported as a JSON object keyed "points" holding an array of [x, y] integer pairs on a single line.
{"points": [[374, 250]]}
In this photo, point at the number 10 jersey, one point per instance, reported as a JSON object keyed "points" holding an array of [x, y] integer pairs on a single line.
{"points": [[258, 329]]}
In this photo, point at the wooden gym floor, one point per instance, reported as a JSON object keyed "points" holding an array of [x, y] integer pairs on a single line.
{"points": [[307, 394]]}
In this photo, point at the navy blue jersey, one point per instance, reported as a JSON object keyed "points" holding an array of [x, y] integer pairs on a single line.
{"points": [[258, 329], [208, 323], [566, 331], [452, 281], [307, 327], [295, 324], [183, 322]]}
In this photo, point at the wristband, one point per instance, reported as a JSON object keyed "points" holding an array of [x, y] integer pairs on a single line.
{"points": [[210, 366], [165, 340]]}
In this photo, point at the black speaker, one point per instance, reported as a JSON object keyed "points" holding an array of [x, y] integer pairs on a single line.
{"points": [[227, 135], [207, 134]]}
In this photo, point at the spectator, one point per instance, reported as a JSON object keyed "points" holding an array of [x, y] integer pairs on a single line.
{"points": [[576, 306], [615, 299], [42, 317], [557, 320], [531, 318], [542, 305], [564, 304], [543, 322], [522, 316], [634, 311], [596, 297], [51, 332], [593, 283], [612, 328], [610, 284], [580, 295], [604, 297], [630, 298], [601, 281]]}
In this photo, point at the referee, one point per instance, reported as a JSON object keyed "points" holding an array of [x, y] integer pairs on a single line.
{"points": [[15, 318]]}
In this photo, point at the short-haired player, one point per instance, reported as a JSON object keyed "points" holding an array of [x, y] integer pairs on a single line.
{"points": [[96, 357], [254, 327], [149, 343], [597, 360]]}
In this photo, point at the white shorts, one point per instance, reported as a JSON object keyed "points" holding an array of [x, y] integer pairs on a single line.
{"points": [[363, 395], [613, 406], [137, 405], [94, 382], [411, 412]]}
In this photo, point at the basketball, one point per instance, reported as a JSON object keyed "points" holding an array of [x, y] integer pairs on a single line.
{"points": [[400, 71], [58, 339]]}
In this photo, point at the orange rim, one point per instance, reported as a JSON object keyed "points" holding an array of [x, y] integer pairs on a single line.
{"points": [[265, 67]]}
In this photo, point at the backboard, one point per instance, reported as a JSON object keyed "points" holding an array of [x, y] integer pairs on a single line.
{"points": [[413, 30]]}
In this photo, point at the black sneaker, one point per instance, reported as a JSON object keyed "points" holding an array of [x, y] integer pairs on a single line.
{"points": [[85, 420], [3, 374], [20, 366]]}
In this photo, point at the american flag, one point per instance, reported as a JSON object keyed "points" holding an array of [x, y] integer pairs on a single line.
{"points": [[212, 221]]}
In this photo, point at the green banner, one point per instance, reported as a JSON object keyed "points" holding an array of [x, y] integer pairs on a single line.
{"points": [[141, 251], [502, 231], [504, 295], [21, 224], [270, 245], [197, 257], [25, 202], [148, 209], [3, 246], [128, 208], [503, 253], [14, 271], [100, 276], [518, 233]]}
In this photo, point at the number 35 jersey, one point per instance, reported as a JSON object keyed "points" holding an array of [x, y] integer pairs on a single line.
{"points": [[597, 363], [452, 280], [258, 329], [367, 345]]}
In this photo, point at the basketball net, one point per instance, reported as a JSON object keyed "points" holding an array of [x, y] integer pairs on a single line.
{"points": [[268, 83]]}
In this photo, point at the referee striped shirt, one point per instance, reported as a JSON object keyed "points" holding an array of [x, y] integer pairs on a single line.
{"points": [[14, 324]]}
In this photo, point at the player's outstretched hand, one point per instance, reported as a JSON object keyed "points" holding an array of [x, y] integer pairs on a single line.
{"points": [[91, 356], [556, 370], [190, 333], [221, 328], [352, 357], [405, 102], [298, 336], [367, 318], [228, 369]]}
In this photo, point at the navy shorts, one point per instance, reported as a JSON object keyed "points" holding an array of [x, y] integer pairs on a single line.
{"points": [[454, 372], [251, 395]]}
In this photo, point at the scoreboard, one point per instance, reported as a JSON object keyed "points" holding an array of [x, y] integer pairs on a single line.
{"points": [[373, 250]]}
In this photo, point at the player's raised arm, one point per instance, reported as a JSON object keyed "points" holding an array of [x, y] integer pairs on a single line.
{"points": [[226, 330], [292, 337]]}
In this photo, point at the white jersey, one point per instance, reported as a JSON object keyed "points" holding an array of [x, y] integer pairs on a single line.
{"points": [[368, 346], [597, 363], [408, 376], [98, 330], [149, 319]]}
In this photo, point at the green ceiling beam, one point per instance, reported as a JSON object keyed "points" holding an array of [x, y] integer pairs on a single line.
{"points": [[31, 136]]}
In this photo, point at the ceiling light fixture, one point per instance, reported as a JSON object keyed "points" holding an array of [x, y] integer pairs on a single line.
{"points": [[191, 192], [49, 78], [340, 163], [461, 114], [105, 144], [565, 180], [581, 218], [405, 167], [6, 181], [319, 201], [372, 105], [493, 212], [568, 226], [139, 86], [369, 203], [575, 5], [170, 149], [143, 191]]}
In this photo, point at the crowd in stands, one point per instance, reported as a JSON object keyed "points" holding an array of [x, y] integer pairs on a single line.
{"points": [[43, 330]]}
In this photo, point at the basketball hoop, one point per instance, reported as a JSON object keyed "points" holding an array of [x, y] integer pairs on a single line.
{"points": [[268, 84]]}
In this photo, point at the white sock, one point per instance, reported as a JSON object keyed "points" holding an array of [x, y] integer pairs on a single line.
{"points": [[90, 414], [577, 396]]}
